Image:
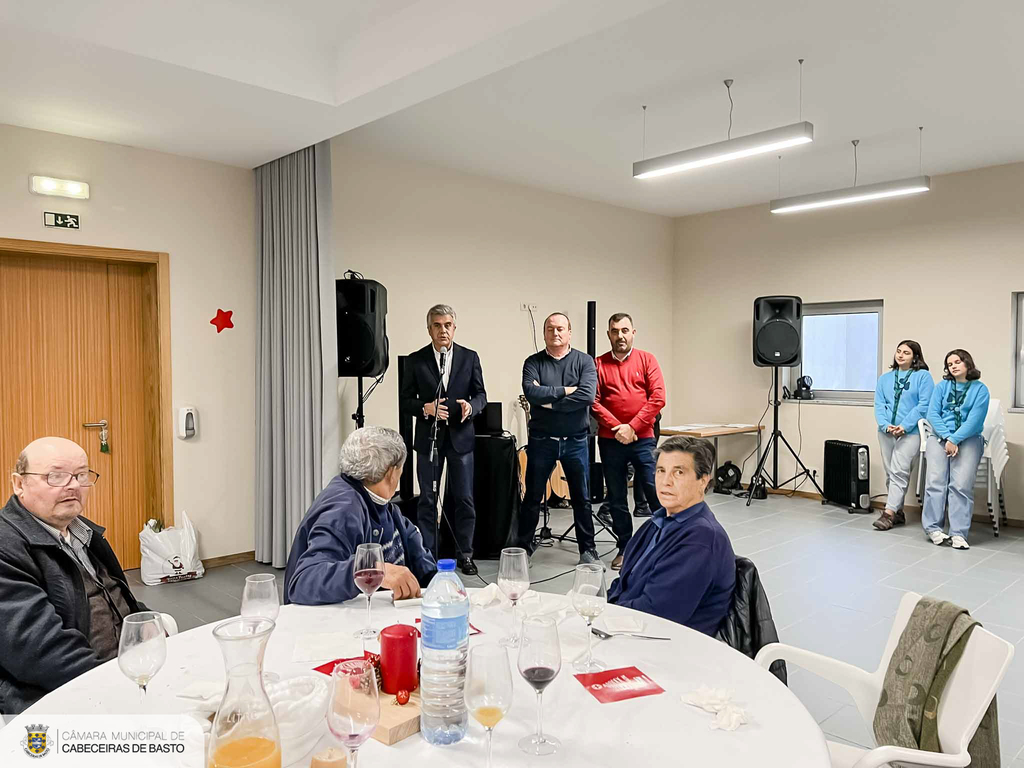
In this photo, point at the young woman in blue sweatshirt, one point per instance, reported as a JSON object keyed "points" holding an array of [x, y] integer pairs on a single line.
{"points": [[902, 397], [957, 414]]}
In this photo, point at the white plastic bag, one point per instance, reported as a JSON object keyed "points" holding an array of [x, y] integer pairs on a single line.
{"points": [[171, 554]]}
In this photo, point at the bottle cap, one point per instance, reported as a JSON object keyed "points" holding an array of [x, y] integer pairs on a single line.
{"points": [[446, 565]]}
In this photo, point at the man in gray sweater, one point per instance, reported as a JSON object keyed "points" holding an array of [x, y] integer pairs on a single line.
{"points": [[559, 383]]}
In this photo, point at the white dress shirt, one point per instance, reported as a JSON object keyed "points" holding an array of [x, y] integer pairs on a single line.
{"points": [[449, 354]]}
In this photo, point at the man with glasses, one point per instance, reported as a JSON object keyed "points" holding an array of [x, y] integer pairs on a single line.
{"points": [[62, 592]]}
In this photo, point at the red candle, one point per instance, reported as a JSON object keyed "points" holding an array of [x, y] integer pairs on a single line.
{"points": [[398, 658]]}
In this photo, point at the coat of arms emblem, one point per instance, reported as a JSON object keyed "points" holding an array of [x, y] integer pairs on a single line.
{"points": [[36, 743]]}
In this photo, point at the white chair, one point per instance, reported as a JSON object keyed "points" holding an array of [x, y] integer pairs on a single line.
{"points": [[970, 689], [170, 624], [990, 468]]}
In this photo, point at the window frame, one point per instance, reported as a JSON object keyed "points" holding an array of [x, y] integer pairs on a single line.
{"points": [[844, 396], [1017, 351]]}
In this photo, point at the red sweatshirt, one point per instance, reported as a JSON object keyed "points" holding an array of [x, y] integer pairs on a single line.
{"points": [[631, 392]]}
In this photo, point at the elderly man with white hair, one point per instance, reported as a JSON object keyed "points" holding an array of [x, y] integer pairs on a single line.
{"points": [[355, 508]]}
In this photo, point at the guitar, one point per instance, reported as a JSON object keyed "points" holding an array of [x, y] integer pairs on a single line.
{"points": [[556, 485]]}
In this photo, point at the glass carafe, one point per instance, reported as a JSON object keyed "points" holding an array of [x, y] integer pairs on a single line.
{"points": [[244, 733]]}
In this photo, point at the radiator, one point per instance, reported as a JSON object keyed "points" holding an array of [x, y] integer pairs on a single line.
{"points": [[847, 474]]}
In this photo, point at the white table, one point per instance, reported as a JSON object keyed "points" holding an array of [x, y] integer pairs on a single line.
{"points": [[659, 730]]}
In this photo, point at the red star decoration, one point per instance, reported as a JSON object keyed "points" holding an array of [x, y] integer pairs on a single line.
{"points": [[223, 320]]}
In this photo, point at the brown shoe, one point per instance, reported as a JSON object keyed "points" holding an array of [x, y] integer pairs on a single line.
{"points": [[617, 562], [886, 520]]}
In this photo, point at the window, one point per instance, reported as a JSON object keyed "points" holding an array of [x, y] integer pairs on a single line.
{"points": [[841, 349], [1017, 312]]}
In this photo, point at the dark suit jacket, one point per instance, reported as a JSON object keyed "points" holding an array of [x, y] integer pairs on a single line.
{"points": [[419, 385], [44, 640]]}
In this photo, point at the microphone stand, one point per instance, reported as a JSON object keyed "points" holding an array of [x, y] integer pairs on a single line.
{"points": [[434, 463]]}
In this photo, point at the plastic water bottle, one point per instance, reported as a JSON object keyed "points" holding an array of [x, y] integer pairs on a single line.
{"points": [[445, 627]]}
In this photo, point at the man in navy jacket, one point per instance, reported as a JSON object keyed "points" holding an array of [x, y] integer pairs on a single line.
{"points": [[448, 401], [680, 564], [355, 509]]}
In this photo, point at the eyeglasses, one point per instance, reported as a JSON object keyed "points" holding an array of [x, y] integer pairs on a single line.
{"points": [[63, 479]]}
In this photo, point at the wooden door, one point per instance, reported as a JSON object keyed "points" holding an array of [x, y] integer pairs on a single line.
{"points": [[81, 347]]}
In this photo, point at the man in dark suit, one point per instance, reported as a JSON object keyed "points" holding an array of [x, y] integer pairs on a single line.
{"points": [[444, 386]]}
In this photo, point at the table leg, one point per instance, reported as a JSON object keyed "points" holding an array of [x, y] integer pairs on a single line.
{"points": [[715, 475]]}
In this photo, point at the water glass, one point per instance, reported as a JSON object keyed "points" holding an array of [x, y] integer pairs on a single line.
{"points": [[260, 598], [589, 598], [143, 648], [513, 581]]}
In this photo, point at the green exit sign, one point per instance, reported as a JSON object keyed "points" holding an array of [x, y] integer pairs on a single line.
{"points": [[61, 220]]}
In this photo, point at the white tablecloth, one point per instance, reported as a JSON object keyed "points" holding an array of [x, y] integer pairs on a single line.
{"points": [[659, 730]]}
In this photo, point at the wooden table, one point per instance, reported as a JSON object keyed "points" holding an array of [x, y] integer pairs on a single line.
{"points": [[715, 431]]}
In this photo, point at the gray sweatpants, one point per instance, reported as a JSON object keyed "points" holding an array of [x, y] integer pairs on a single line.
{"points": [[898, 456]]}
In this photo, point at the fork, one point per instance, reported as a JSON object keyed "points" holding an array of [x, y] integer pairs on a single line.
{"points": [[608, 636]]}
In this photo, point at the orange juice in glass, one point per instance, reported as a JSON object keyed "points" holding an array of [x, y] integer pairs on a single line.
{"points": [[250, 752]]}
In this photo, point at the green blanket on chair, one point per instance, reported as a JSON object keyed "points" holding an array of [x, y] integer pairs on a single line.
{"points": [[925, 657]]}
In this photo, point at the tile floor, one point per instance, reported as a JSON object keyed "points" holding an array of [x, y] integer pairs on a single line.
{"points": [[833, 581]]}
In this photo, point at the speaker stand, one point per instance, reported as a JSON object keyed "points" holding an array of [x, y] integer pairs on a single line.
{"points": [[761, 479], [357, 417]]}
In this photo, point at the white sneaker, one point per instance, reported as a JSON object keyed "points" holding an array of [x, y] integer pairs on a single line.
{"points": [[938, 538], [959, 542]]}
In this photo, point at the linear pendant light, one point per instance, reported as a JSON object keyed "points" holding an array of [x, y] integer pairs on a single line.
{"points": [[723, 151], [849, 195]]}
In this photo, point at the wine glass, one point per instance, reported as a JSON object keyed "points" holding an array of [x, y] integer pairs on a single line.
{"points": [[143, 648], [354, 708], [368, 572], [540, 659], [260, 598], [589, 599], [488, 688], [513, 580]]}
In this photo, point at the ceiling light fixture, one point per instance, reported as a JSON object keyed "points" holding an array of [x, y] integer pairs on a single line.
{"points": [[44, 185], [731, 149], [855, 194]]}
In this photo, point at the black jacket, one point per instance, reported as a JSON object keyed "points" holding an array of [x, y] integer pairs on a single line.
{"points": [[44, 630], [465, 382], [748, 626]]}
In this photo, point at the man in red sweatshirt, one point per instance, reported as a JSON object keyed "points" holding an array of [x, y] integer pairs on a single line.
{"points": [[630, 395]]}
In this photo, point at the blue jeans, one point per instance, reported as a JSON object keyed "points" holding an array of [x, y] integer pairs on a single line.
{"points": [[951, 480], [541, 455], [458, 501], [616, 458]]}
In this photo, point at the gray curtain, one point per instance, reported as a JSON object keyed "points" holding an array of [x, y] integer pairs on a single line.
{"points": [[291, 233]]}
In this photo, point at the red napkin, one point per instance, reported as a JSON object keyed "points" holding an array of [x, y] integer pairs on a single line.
{"points": [[328, 667], [619, 684]]}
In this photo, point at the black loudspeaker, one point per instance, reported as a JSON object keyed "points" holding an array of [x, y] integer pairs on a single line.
{"points": [[488, 421], [362, 330], [777, 324], [495, 493]]}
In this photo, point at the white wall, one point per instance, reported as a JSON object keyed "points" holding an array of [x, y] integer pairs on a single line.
{"points": [[434, 235], [944, 263], [203, 215]]}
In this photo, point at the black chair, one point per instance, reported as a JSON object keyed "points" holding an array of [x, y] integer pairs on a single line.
{"points": [[748, 626]]}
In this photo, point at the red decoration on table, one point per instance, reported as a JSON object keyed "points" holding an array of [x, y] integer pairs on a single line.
{"points": [[328, 667], [402, 697], [223, 320], [398, 658], [619, 684]]}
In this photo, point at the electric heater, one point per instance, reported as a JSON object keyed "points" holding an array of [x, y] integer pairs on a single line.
{"points": [[847, 475]]}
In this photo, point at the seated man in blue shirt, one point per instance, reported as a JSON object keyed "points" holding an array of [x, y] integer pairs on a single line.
{"points": [[354, 509], [680, 564]]}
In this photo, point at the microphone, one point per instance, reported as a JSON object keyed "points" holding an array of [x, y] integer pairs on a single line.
{"points": [[443, 350]]}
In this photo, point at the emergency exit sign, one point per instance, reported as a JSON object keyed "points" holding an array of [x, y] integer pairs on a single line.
{"points": [[61, 220]]}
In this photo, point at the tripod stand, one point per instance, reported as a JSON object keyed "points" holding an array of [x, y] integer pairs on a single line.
{"points": [[761, 479]]}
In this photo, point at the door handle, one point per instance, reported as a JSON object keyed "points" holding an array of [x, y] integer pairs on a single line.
{"points": [[102, 425]]}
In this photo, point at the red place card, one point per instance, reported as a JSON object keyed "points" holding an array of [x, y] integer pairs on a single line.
{"points": [[619, 684]]}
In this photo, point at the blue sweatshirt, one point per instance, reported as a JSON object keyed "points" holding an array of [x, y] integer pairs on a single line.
{"points": [[681, 568], [553, 413], [913, 404], [973, 410], [342, 517]]}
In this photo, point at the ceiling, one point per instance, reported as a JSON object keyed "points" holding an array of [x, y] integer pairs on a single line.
{"points": [[546, 93], [246, 81], [570, 120]]}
